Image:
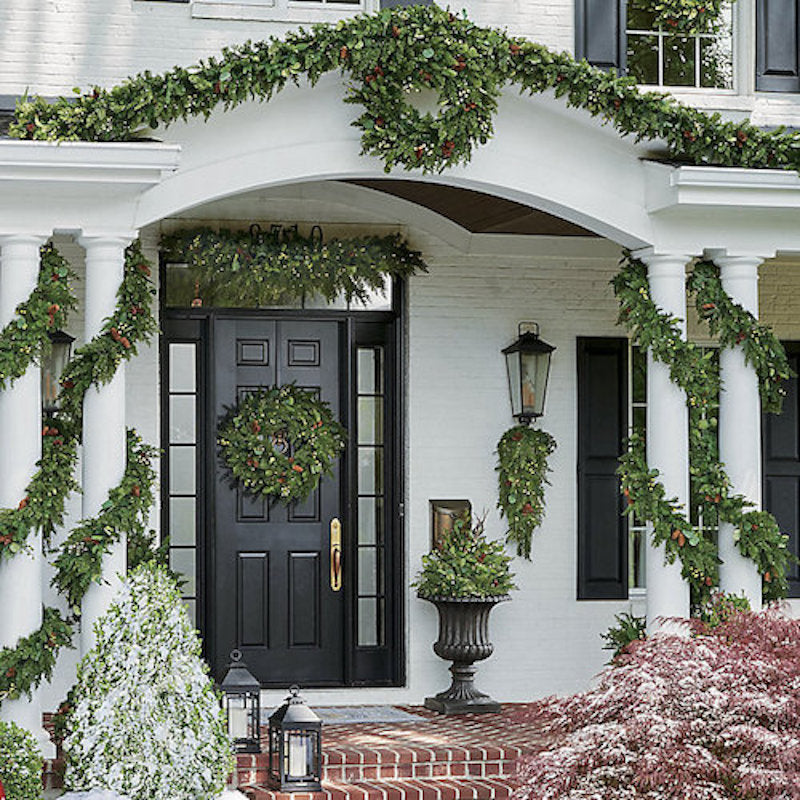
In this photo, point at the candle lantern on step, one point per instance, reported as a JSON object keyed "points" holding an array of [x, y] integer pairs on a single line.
{"points": [[295, 746], [241, 697]]}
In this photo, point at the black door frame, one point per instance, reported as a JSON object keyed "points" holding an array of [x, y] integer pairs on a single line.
{"points": [[364, 666]]}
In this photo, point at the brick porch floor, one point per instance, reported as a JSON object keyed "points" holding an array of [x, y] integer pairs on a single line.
{"points": [[464, 757]]}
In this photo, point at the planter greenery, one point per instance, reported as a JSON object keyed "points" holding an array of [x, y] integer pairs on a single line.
{"points": [[20, 763], [465, 565], [465, 577], [146, 721]]}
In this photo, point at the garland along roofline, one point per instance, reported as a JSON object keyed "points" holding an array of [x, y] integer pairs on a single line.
{"points": [[24, 666], [696, 373], [235, 267], [382, 56]]}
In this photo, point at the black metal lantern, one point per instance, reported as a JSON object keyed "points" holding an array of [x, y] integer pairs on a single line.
{"points": [[53, 366], [241, 697], [528, 365], [295, 746]]}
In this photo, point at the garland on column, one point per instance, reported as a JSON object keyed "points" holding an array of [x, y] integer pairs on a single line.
{"points": [[388, 55], [522, 454], [758, 536], [23, 667]]}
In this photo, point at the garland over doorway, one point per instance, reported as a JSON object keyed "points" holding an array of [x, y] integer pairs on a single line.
{"points": [[387, 57]]}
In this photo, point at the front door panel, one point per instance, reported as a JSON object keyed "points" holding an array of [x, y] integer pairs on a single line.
{"points": [[272, 591]]}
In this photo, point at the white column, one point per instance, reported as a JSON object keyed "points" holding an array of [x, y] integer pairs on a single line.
{"points": [[21, 437], [739, 428], [103, 422], [667, 440]]}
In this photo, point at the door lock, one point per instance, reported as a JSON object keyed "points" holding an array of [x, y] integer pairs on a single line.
{"points": [[336, 554]]}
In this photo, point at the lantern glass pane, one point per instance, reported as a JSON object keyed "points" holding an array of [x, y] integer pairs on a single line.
{"points": [[514, 387], [238, 716], [534, 382], [299, 754]]}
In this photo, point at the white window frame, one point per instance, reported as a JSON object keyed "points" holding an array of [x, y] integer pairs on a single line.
{"points": [[303, 11]]}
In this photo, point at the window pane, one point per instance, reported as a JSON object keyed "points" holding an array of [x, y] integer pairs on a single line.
{"points": [[182, 367], [182, 470], [368, 622], [182, 520], [640, 16], [182, 562], [643, 58], [181, 419], [716, 62], [370, 470], [191, 610], [370, 520], [370, 370], [678, 61], [639, 356], [640, 422], [367, 570], [370, 420]]}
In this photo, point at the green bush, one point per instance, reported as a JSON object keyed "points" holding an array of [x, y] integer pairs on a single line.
{"points": [[20, 763], [629, 628]]}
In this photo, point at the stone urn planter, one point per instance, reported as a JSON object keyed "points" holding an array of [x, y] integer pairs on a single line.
{"points": [[463, 639]]}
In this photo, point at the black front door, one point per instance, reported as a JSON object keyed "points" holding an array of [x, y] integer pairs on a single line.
{"points": [[273, 593]]}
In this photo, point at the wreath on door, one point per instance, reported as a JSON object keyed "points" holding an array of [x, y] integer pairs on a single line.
{"points": [[279, 441]]}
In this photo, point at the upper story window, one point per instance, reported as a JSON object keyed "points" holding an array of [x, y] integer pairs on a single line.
{"points": [[657, 55]]}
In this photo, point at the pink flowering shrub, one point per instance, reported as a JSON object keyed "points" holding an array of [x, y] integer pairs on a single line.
{"points": [[715, 716]]}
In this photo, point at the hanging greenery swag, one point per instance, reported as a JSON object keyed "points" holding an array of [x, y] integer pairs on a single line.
{"points": [[23, 667], [696, 372], [522, 454], [240, 267], [385, 58], [685, 16], [278, 442]]}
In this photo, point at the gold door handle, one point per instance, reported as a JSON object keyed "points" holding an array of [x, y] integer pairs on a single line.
{"points": [[336, 554]]}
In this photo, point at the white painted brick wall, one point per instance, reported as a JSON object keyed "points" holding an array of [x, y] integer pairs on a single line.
{"points": [[51, 46]]}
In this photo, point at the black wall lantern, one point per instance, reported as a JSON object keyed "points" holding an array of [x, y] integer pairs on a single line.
{"points": [[295, 746], [241, 698], [53, 366], [528, 365]]}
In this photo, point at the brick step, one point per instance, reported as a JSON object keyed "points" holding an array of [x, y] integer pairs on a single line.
{"points": [[407, 789], [385, 763], [254, 770]]}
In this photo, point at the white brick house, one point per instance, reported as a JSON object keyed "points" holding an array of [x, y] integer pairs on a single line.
{"points": [[531, 229]]}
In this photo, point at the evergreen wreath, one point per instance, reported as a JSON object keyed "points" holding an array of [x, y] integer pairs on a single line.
{"points": [[522, 454], [405, 36], [758, 536], [238, 267], [278, 442]]}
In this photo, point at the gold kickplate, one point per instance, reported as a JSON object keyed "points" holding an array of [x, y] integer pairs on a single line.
{"points": [[336, 554]]}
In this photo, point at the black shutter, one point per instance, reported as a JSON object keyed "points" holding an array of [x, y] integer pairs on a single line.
{"points": [[600, 32], [781, 465], [602, 427], [777, 51]]}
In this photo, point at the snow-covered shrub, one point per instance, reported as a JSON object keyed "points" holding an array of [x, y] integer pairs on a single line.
{"points": [[146, 722], [711, 717], [20, 763]]}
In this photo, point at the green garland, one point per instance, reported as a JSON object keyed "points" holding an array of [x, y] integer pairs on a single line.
{"points": [[95, 363], [522, 454], [23, 667], [79, 562], [278, 442], [24, 340], [758, 535], [234, 267], [397, 49]]}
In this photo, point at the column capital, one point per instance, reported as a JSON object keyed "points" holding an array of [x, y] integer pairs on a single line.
{"points": [[736, 266], [89, 239], [660, 263], [26, 238]]}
